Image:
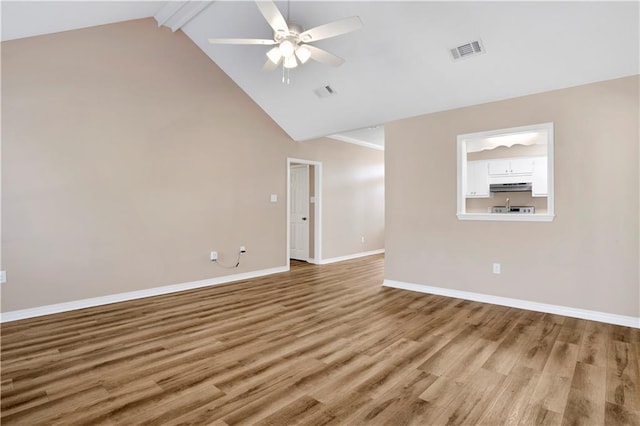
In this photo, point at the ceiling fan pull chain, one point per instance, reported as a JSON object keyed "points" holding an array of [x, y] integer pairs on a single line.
{"points": [[286, 79]]}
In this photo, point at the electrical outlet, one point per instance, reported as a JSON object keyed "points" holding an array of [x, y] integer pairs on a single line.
{"points": [[496, 268], [243, 249], [3, 277], [362, 239], [214, 256]]}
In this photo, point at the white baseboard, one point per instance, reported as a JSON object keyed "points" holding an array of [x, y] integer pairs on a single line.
{"points": [[350, 256], [132, 295], [623, 320]]}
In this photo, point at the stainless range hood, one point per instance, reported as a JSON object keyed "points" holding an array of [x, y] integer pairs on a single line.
{"points": [[510, 187]]}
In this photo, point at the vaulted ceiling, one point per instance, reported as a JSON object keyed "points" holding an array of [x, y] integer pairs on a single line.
{"points": [[398, 65]]}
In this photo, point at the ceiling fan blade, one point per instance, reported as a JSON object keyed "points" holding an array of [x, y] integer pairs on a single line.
{"points": [[273, 16], [331, 29], [324, 57], [264, 42], [270, 66]]}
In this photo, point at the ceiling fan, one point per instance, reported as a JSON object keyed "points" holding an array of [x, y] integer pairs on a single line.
{"points": [[292, 42]]}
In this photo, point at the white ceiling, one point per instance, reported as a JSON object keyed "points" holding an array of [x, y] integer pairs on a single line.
{"points": [[31, 18], [398, 65]]}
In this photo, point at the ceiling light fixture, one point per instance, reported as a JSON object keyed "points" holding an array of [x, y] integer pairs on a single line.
{"points": [[286, 47], [290, 40], [290, 62], [274, 55], [303, 53]]}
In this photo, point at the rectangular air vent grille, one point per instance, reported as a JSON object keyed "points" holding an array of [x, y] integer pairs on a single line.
{"points": [[324, 91], [467, 49]]}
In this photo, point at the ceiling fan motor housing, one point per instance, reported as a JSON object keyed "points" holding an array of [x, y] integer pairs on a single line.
{"points": [[294, 33]]}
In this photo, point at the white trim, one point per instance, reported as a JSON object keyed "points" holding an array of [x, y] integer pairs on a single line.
{"points": [[132, 295], [177, 14], [347, 139], [505, 217], [350, 256], [567, 311], [317, 190]]}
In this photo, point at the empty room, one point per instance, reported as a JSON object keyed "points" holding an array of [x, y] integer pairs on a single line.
{"points": [[320, 212]]}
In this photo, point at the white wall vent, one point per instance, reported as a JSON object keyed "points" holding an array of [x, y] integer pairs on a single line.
{"points": [[468, 49], [324, 91]]}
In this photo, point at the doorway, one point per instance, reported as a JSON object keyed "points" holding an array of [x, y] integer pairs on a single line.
{"points": [[304, 183]]}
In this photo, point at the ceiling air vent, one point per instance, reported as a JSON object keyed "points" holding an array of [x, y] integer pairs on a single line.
{"points": [[468, 49], [324, 91]]}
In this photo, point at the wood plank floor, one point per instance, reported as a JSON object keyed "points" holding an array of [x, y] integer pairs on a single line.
{"points": [[317, 345]]}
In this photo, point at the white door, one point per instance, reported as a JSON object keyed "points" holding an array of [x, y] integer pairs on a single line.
{"points": [[299, 217]]}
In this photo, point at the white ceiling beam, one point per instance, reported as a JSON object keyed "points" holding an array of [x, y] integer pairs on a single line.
{"points": [[355, 141], [177, 14]]}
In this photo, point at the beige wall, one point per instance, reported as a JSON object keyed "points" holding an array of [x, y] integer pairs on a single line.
{"points": [[588, 257], [127, 156]]}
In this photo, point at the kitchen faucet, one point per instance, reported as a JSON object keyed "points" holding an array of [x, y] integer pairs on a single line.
{"points": [[508, 205]]}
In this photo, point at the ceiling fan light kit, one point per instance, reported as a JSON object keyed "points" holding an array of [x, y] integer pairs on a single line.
{"points": [[287, 47], [274, 55], [291, 41], [290, 62], [303, 54]]}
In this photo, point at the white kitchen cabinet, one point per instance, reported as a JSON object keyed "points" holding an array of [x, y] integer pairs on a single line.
{"points": [[477, 179], [511, 167], [521, 166], [499, 167], [540, 187]]}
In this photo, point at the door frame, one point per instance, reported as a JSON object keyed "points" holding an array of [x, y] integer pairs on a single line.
{"points": [[317, 209]]}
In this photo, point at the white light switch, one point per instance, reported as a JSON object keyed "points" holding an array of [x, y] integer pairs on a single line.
{"points": [[496, 268], [312, 200], [274, 198], [3, 277]]}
